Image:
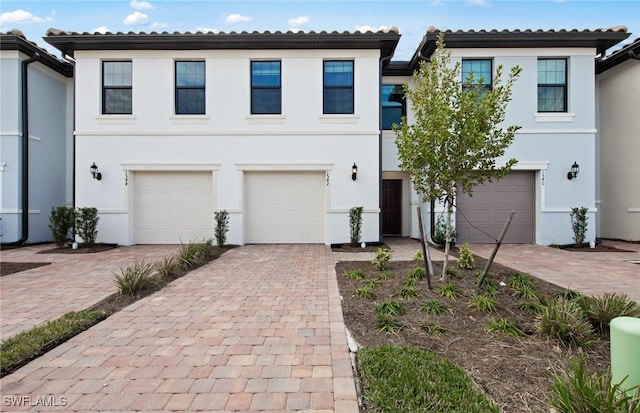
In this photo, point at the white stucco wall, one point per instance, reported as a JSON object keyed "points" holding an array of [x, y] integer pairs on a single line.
{"points": [[228, 136], [619, 100], [546, 143]]}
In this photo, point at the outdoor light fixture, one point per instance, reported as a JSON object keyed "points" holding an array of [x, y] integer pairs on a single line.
{"points": [[354, 172], [94, 172], [575, 168]]}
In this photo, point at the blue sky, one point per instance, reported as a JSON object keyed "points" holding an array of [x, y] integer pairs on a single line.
{"points": [[411, 17]]}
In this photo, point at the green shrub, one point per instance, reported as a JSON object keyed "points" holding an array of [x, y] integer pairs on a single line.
{"points": [[503, 326], [465, 257], [434, 307], [525, 292], [453, 273], [364, 292], [189, 255], [408, 292], [567, 294], [450, 291], [390, 307], [601, 310], [136, 277], [355, 225], [573, 390], [418, 256], [386, 275], [222, 226], [483, 303], [409, 379], [517, 280], [167, 267], [381, 260], [62, 220], [578, 216], [529, 307], [433, 329], [410, 282], [565, 321], [87, 225], [370, 282], [388, 324], [354, 274], [439, 234], [417, 273]]}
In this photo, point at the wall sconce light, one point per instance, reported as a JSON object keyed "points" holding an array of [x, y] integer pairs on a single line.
{"points": [[94, 172], [575, 168], [354, 172]]}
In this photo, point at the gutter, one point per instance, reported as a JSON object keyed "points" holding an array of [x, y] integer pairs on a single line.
{"points": [[25, 151]]}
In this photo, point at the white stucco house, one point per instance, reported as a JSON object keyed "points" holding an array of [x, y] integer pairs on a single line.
{"points": [[618, 83], [36, 138], [288, 131]]}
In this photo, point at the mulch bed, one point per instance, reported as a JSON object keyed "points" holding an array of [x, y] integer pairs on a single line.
{"points": [[349, 248], [7, 268], [514, 372], [80, 250]]}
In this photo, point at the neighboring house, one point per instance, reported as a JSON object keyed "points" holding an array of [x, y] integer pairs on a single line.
{"points": [[268, 126], [36, 138], [554, 103], [618, 82]]}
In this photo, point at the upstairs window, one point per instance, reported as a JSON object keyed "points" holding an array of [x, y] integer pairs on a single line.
{"points": [[338, 86], [190, 92], [266, 88], [116, 88], [552, 85], [393, 105], [478, 70]]}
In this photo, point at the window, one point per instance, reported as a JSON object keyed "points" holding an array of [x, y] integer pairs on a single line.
{"points": [[190, 95], [478, 69], [266, 90], [552, 85], [338, 87], [393, 105], [116, 88]]}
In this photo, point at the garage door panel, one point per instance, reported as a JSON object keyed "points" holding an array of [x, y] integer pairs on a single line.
{"points": [[284, 207], [490, 207]]}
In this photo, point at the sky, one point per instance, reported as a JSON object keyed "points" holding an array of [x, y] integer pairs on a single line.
{"points": [[411, 17]]}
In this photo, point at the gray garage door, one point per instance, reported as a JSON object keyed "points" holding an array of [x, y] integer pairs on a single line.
{"points": [[488, 209]]}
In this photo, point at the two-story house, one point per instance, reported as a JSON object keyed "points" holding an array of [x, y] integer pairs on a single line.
{"points": [[287, 131], [36, 138]]}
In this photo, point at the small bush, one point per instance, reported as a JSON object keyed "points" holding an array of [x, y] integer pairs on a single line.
{"points": [[578, 216], [62, 220], [417, 273], [517, 280], [410, 282], [503, 326], [167, 267], [391, 307], [418, 256], [601, 310], [381, 260], [565, 321], [354, 274], [370, 282], [192, 253], [135, 278], [433, 329], [465, 257], [450, 291], [87, 225], [387, 324], [529, 307], [525, 292], [567, 294], [434, 307], [439, 234], [364, 292], [453, 273], [573, 390], [408, 292], [387, 275], [222, 226], [483, 303], [355, 225]]}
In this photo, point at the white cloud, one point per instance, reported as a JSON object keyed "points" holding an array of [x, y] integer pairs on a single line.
{"points": [[159, 25], [237, 18], [101, 29], [21, 16], [141, 5], [366, 28], [298, 21], [136, 18], [207, 30]]}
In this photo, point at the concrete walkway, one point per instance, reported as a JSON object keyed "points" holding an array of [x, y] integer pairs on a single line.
{"points": [[259, 329], [72, 282]]}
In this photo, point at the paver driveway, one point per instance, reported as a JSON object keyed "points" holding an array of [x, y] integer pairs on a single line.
{"points": [[259, 329]]}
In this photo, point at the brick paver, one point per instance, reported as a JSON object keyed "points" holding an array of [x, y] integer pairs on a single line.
{"points": [[72, 282], [259, 329]]}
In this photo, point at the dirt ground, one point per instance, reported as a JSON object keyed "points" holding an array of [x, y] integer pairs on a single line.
{"points": [[514, 372]]}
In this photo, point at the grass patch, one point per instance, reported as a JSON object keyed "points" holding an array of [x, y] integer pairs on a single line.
{"points": [[18, 350], [404, 379]]}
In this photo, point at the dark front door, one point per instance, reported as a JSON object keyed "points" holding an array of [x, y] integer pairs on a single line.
{"points": [[391, 207]]}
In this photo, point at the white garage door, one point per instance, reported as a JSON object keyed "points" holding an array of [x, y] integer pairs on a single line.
{"points": [[172, 207], [487, 210], [284, 207]]}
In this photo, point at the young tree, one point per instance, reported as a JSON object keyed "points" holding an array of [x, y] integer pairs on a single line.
{"points": [[457, 134]]}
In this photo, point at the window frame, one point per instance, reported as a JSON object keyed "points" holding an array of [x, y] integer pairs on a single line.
{"points": [[562, 86], [488, 83], [403, 107], [260, 87], [326, 87], [197, 87], [128, 87]]}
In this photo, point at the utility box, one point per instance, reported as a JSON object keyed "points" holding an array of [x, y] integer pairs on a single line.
{"points": [[625, 351]]}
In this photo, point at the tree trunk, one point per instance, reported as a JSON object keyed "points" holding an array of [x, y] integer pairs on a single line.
{"points": [[447, 237]]}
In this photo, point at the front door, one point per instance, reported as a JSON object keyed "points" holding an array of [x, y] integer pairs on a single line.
{"points": [[392, 207]]}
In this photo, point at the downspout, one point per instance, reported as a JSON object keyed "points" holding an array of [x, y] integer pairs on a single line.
{"points": [[383, 60], [25, 151]]}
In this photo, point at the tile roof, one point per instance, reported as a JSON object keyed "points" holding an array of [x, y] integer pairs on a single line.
{"points": [[16, 40], [630, 51]]}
